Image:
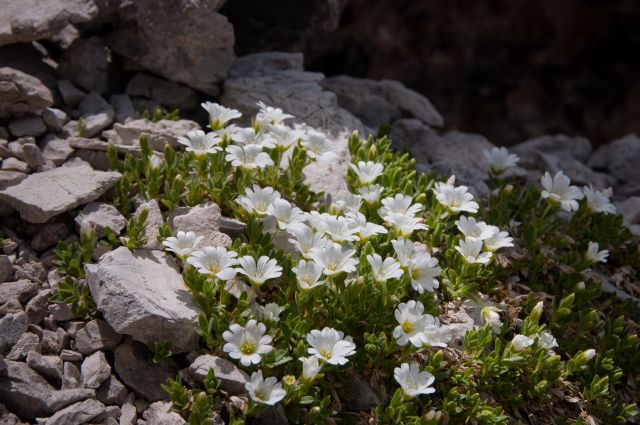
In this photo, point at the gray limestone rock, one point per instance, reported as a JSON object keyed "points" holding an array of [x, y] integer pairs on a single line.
{"points": [[28, 342], [85, 63], [152, 225], [56, 150], [99, 216], [96, 335], [21, 93], [94, 370], [112, 391], [159, 134], [27, 126], [12, 326], [36, 308], [162, 91], [160, 413], [71, 95], [203, 220], [54, 118], [77, 414], [232, 379], [21, 290], [50, 367]]}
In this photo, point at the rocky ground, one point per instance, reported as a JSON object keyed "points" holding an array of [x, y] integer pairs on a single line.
{"points": [[77, 76]]}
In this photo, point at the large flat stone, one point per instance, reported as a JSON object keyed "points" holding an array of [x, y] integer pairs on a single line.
{"points": [[142, 294], [44, 195]]}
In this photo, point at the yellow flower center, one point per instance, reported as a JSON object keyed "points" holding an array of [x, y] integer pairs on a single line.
{"points": [[407, 327], [247, 348]]}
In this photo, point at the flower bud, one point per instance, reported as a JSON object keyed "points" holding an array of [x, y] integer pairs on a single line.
{"points": [[490, 315], [520, 342], [537, 311], [580, 285], [590, 353]]}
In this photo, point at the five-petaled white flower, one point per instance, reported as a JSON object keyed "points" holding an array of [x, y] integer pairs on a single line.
{"points": [[367, 172], [520, 342], [330, 345], [287, 215], [412, 323], [257, 200], [310, 368], [318, 146], [412, 381], [371, 194], [350, 203], [498, 239], [219, 115], [491, 315], [215, 261], [471, 228], [365, 228], [455, 199], [598, 201], [404, 249], [594, 254], [500, 159], [305, 240], [259, 272], [308, 274], [183, 244], [334, 259], [399, 204], [403, 224], [423, 271], [285, 136], [248, 157], [340, 229], [247, 343], [269, 115], [200, 143], [271, 312], [547, 340], [266, 391], [384, 270], [471, 251], [559, 190], [249, 136]]}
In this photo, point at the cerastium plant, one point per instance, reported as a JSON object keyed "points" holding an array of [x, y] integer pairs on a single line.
{"points": [[312, 297]]}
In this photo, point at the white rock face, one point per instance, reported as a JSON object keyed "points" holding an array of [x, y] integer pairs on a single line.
{"points": [[21, 93], [141, 293], [203, 220], [44, 195], [159, 134]]}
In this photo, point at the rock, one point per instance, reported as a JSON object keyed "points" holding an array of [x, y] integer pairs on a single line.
{"points": [[97, 114], [629, 209], [21, 290], [56, 150], [579, 173], [31, 20], [232, 379], [160, 413], [361, 395], [122, 106], [70, 356], [111, 391], [96, 335], [141, 293], [21, 93], [265, 63], [94, 370], [8, 418], [379, 103], [134, 365], [577, 147], [162, 91], [49, 235], [203, 220], [62, 312], [6, 269], [32, 155], [28, 342], [36, 308], [77, 414], [71, 376], [71, 95], [12, 326], [619, 157], [129, 413], [154, 221], [44, 195], [54, 118], [99, 216], [27, 126], [198, 59], [12, 306], [13, 164], [85, 63], [272, 415], [10, 178], [29, 395], [32, 270], [232, 226], [48, 366], [159, 134], [50, 341]]}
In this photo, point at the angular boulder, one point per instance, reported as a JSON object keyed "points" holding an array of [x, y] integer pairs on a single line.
{"points": [[159, 134], [44, 195], [232, 378], [141, 293], [203, 220], [22, 93]]}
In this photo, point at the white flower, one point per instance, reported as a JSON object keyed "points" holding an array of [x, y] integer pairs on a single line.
{"points": [[259, 272], [271, 312], [200, 143], [599, 201], [589, 354], [215, 261], [520, 342], [471, 251], [367, 172], [471, 228], [423, 271], [318, 146], [412, 381], [435, 335], [412, 323], [155, 161], [365, 229], [384, 270], [308, 274], [219, 115], [558, 189], [285, 136], [340, 229], [247, 343], [330, 345], [399, 204], [266, 391], [305, 240], [316, 221], [350, 203], [334, 259], [594, 255], [500, 159], [183, 244], [248, 136], [258, 199], [537, 309], [371, 194], [497, 239], [546, 340], [269, 115], [310, 368], [404, 250], [248, 157], [287, 215], [491, 315], [456, 199], [403, 224], [227, 131]]}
